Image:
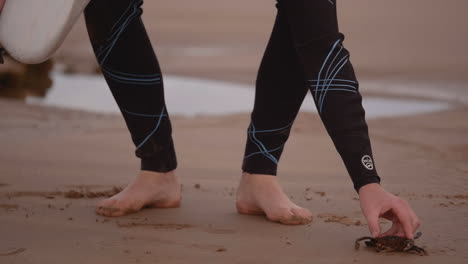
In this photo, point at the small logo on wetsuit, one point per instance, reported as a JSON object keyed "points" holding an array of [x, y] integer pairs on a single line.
{"points": [[367, 162]]}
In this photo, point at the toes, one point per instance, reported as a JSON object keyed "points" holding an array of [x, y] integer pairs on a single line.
{"points": [[286, 216], [291, 216], [106, 202], [303, 214], [279, 215], [102, 207], [109, 211], [112, 207]]}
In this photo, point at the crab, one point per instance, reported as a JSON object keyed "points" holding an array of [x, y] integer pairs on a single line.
{"points": [[392, 243]]}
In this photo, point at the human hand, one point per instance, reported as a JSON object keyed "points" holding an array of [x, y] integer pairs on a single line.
{"points": [[376, 203]]}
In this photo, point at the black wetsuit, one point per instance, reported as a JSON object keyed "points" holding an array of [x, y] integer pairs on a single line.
{"points": [[132, 71], [305, 52]]}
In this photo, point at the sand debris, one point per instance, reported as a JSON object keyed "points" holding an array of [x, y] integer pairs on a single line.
{"points": [[33, 194], [13, 252], [73, 194], [9, 207], [320, 193], [344, 220], [309, 196]]}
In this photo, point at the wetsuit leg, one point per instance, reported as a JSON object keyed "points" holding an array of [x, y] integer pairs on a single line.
{"points": [[330, 76], [280, 90], [131, 69]]}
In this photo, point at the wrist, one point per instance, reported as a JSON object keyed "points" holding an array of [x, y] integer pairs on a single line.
{"points": [[369, 187]]}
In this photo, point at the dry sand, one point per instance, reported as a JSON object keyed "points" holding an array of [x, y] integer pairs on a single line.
{"points": [[48, 152]]}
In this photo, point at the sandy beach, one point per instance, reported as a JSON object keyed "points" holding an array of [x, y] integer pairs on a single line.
{"points": [[49, 152], [57, 163]]}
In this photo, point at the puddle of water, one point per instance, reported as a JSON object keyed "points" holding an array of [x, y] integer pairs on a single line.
{"points": [[191, 96]]}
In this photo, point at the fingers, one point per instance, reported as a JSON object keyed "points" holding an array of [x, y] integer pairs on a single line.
{"points": [[406, 217], [378, 203], [405, 221], [373, 223], [416, 222]]}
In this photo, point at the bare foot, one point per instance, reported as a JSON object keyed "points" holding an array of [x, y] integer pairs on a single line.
{"points": [[262, 194], [148, 189]]}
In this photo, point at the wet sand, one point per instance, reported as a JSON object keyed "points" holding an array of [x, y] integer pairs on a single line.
{"points": [[55, 164]]}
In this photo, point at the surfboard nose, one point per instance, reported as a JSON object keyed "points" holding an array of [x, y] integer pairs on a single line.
{"points": [[32, 30]]}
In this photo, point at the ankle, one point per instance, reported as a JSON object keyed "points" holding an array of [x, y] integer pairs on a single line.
{"points": [[252, 178], [161, 177]]}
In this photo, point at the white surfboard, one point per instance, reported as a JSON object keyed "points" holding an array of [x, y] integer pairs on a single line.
{"points": [[32, 30]]}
